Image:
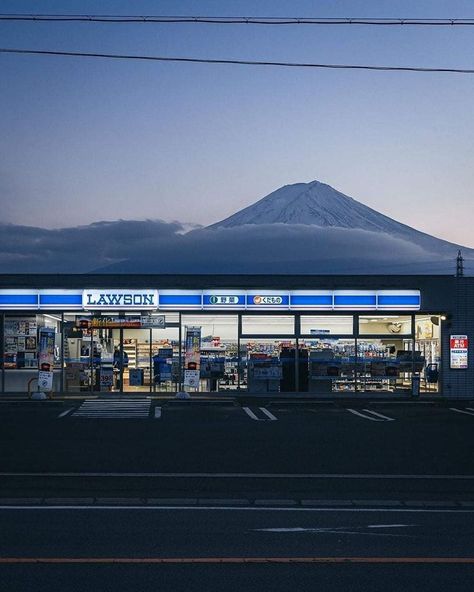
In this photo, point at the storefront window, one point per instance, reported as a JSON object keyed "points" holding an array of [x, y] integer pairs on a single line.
{"points": [[326, 325], [214, 364], [21, 350], [428, 349], [384, 364], [268, 325], [269, 365], [385, 325], [88, 354], [330, 364], [165, 366]]}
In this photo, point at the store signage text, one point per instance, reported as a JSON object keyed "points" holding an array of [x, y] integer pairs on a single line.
{"points": [[223, 300], [104, 322], [267, 299], [119, 299], [458, 349]]}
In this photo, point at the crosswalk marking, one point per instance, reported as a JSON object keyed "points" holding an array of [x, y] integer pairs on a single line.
{"points": [[253, 414], [114, 408], [469, 412], [369, 414]]}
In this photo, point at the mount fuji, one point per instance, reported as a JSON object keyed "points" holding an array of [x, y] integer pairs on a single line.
{"points": [[320, 205], [300, 229]]}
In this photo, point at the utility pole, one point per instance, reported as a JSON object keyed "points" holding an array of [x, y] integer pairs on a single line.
{"points": [[459, 265]]}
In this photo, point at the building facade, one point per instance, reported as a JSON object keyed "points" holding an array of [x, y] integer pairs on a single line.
{"points": [[321, 335]]}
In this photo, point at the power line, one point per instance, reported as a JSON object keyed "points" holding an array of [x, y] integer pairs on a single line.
{"points": [[239, 20], [236, 62]]}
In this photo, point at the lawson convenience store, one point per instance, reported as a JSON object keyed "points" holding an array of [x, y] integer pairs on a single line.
{"points": [[321, 335]]}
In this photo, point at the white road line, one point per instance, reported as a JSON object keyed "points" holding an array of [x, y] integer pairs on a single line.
{"points": [[364, 416], [268, 414], [379, 415], [157, 412], [389, 525], [64, 413], [234, 509], [251, 414], [462, 411], [470, 408], [239, 475]]}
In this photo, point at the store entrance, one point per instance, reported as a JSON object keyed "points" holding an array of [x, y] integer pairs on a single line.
{"points": [[132, 366]]}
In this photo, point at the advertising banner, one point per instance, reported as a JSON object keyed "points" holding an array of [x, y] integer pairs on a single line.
{"points": [[106, 378], [192, 356], [46, 358], [138, 322], [458, 349]]}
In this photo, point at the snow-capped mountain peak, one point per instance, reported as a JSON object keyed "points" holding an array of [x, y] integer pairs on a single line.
{"points": [[313, 203]]}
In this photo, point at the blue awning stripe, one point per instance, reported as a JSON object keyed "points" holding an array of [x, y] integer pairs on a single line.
{"points": [[356, 300], [66, 299], [399, 300], [16, 299], [180, 299], [320, 300]]}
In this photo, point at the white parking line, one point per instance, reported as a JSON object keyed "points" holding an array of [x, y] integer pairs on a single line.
{"points": [[157, 412], [364, 416], [380, 415], [250, 413], [370, 415], [253, 415], [268, 414], [462, 411]]}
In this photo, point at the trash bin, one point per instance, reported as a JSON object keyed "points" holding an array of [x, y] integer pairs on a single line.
{"points": [[415, 385], [432, 373]]}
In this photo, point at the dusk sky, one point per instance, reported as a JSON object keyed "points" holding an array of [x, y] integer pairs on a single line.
{"points": [[84, 140]]}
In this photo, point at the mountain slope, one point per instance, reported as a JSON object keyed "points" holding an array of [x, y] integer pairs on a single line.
{"points": [[319, 204]]}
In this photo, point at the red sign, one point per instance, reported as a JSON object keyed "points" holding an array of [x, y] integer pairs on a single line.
{"points": [[459, 342]]}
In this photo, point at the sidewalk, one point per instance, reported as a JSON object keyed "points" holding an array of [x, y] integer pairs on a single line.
{"points": [[244, 397]]}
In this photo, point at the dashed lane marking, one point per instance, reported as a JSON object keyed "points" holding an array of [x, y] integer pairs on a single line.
{"points": [[64, 413], [157, 412]]}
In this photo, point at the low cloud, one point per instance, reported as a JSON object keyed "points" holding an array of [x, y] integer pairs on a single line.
{"points": [[155, 246]]}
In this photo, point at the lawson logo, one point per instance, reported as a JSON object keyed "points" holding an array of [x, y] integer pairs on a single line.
{"points": [[267, 299], [119, 299]]}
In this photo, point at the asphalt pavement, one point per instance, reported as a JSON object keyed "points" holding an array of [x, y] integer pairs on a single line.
{"points": [[365, 496], [230, 549]]}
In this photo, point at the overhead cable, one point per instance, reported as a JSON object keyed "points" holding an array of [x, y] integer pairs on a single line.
{"points": [[116, 56], [239, 20]]}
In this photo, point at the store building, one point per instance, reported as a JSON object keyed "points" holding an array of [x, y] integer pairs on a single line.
{"points": [[321, 335]]}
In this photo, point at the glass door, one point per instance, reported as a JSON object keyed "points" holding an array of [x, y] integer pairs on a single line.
{"points": [[135, 360]]}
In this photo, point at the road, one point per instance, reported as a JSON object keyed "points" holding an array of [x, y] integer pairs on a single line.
{"points": [[225, 540], [263, 497]]}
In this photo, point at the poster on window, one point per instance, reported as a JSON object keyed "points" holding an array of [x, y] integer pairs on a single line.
{"points": [[192, 356], [46, 358], [458, 349]]}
